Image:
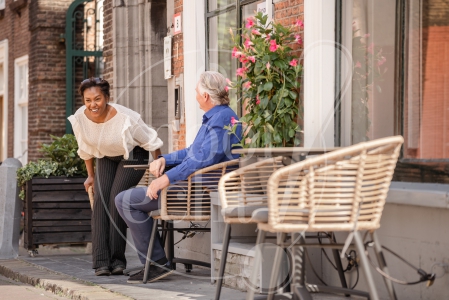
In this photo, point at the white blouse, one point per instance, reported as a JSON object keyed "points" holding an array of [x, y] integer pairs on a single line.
{"points": [[116, 137]]}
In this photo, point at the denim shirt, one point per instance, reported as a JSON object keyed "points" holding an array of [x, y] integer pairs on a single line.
{"points": [[212, 145]]}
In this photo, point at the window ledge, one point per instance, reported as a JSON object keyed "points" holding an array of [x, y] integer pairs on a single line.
{"points": [[419, 194]]}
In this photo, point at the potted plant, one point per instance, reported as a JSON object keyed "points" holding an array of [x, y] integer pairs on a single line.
{"points": [[56, 205], [269, 82]]}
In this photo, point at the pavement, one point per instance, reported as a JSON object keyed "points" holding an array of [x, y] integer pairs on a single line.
{"points": [[66, 273]]}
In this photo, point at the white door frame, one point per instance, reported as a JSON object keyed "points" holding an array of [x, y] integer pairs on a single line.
{"points": [[194, 63], [4, 133]]}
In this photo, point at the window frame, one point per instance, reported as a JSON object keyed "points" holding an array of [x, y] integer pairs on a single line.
{"points": [[238, 4], [408, 169], [19, 103]]}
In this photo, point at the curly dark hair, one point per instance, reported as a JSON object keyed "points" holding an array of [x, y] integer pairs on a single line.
{"points": [[92, 82]]}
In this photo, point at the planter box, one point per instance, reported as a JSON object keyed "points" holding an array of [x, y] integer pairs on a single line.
{"points": [[57, 210]]}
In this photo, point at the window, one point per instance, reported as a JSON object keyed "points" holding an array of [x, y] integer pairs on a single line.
{"points": [[21, 109], [368, 90], [400, 80], [222, 15], [426, 80], [2, 4]]}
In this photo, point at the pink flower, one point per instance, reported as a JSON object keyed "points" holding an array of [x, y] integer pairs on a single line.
{"points": [[243, 59], [229, 81], [298, 39], [247, 43], [227, 88], [358, 65], [298, 23], [247, 85], [381, 61], [294, 62], [268, 65], [236, 52], [268, 37], [255, 32], [257, 100], [250, 22], [273, 45], [252, 58], [233, 121], [241, 72]]}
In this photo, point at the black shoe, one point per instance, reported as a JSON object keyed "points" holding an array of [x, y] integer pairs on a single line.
{"points": [[118, 270], [157, 273], [154, 273], [102, 271]]}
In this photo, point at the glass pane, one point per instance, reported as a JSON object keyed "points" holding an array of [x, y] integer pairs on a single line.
{"points": [[373, 49], [219, 4], [250, 10], [220, 49], [426, 105]]}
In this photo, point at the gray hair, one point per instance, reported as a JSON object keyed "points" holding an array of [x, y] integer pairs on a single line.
{"points": [[214, 84]]}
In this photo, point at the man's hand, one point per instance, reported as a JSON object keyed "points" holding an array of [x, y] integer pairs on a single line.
{"points": [[157, 185], [157, 167]]}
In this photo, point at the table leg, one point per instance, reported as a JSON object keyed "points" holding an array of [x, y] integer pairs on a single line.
{"points": [[299, 279]]}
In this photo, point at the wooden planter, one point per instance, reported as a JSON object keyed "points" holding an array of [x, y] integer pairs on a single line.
{"points": [[57, 211]]}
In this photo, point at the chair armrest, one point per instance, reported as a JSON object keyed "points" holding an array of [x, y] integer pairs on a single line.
{"points": [[189, 199], [246, 186]]}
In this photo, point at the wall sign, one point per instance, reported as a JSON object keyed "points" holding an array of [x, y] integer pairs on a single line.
{"points": [[167, 57], [262, 7], [177, 23]]}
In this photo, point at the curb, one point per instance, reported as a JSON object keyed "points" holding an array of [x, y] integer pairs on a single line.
{"points": [[58, 283]]}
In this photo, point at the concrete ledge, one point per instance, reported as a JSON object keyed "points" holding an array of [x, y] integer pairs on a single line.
{"points": [[419, 194], [57, 283]]}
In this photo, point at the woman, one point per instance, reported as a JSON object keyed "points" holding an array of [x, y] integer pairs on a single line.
{"points": [[115, 136]]}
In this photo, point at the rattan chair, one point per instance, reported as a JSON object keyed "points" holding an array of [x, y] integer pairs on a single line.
{"points": [[344, 190], [187, 200], [242, 192]]}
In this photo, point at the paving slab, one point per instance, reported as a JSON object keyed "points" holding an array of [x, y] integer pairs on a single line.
{"points": [[68, 271]]}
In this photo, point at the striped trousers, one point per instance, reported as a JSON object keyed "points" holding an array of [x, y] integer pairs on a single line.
{"points": [[108, 228]]}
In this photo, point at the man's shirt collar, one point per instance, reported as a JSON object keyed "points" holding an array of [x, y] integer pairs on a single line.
{"points": [[212, 111]]}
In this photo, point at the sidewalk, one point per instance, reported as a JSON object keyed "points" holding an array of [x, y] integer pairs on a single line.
{"points": [[67, 272]]}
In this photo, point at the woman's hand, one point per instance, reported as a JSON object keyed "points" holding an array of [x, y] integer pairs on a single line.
{"points": [[157, 185], [89, 182], [157, 167]]}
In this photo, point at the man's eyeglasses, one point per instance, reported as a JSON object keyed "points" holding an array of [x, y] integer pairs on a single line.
{"points": [[97, 80]]}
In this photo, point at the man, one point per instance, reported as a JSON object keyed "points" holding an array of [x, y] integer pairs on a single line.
{"points": [[212, 145]]}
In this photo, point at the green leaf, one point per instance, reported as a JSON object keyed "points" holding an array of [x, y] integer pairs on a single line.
{"points": [[269, 127], [268, 86], [264, 102], [291, 133], [293, 95]]}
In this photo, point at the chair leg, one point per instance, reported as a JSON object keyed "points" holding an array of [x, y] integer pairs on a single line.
{"points": [[150, 251], [366, 267], [276, 266], [224, 254], [257, 261], [383, 265]]}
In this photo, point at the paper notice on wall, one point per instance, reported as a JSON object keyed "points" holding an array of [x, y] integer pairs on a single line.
{"points": [[262, 7], [167, 57]]}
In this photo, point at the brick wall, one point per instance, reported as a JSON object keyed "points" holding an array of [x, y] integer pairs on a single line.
{"points": [[14, 28], [178, 137], [108, 73], [47, 73], [287, 12]]}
